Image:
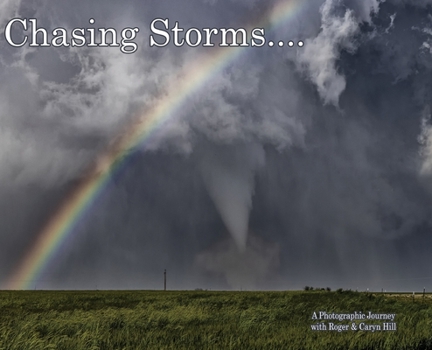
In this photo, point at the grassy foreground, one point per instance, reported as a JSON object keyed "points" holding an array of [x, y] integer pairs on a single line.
{"points": [[31, 320]]}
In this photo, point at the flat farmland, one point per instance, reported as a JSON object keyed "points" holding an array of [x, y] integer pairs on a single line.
{"points": [[32, 320]]}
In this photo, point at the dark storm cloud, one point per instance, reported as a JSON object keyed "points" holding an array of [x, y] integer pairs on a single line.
{"points": [[337, 133]]}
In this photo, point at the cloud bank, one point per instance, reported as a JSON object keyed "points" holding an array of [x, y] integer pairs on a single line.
{"points": [[322, 151]]}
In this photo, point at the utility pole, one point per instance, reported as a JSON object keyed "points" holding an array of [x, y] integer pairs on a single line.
{"points": [[165, 279]]}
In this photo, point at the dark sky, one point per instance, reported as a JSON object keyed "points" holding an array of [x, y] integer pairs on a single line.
{"points": [[290, 167]]}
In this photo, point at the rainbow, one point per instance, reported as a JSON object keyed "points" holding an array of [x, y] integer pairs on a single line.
{"points": [[61, 225]]}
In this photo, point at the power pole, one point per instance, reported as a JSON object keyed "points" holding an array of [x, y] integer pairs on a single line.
{"points": [[165, 279]]}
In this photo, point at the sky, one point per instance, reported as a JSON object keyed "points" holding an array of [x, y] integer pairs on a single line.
{"points": [[289, 167]]}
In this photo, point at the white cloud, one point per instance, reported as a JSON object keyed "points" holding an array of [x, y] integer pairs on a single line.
{"points": [[319, 56]]}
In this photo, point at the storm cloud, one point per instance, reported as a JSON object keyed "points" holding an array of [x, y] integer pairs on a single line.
{"points": [[288, 167]]}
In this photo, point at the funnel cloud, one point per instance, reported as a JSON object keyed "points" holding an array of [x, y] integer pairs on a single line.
{"points": [[228, 175]]}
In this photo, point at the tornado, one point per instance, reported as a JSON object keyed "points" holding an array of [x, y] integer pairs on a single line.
{"points": [[229, 176]]}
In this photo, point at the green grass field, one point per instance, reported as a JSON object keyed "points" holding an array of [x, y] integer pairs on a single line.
{"points": [[31, 320]]}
